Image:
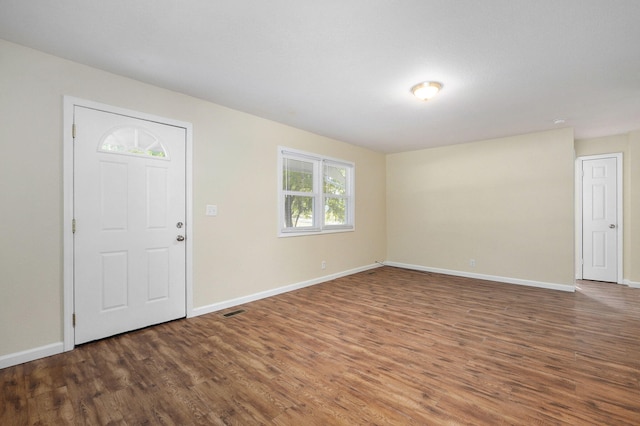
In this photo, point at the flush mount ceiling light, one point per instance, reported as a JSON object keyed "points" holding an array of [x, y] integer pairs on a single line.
{"points": [[426, 90]]}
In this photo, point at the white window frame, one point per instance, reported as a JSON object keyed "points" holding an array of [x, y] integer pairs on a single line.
{"points": [[319, 162]]}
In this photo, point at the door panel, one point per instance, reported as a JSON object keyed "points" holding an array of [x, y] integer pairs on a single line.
{"points": [[129, 193], [599, 220], [114, 284], [113, 177]]}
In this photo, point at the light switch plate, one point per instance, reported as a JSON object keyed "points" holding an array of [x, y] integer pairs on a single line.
{"points": [[211, 210]]}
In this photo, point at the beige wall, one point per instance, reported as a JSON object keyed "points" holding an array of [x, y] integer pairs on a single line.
{"points": [[507, 203], [629, 146], [236, 253], [634, 209]]}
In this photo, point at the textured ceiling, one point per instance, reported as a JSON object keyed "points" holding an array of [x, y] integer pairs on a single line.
{"points": [[344, 68]]}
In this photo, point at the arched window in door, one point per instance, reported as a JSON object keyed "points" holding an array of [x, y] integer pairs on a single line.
{"points": [[130, 140]]}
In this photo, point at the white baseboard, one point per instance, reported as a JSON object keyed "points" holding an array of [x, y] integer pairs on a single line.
{"points": [[201, 310], [507, 280], [631, 284], [10, 360], [57, 348]]}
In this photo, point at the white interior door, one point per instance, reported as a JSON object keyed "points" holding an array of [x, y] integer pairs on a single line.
{"points": [[129, 211], [599, 220]]}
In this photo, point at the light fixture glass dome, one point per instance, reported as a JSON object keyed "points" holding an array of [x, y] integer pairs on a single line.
{"points": [[426, 90]]}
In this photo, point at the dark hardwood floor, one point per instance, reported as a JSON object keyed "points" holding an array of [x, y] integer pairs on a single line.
{"points": [[387, 346]]}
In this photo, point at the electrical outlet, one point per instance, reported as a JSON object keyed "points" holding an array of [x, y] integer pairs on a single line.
{"points": [[472, 263], [211, 210], [323, 265]]}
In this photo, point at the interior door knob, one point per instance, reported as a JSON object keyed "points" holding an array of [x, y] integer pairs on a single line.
{"points": [[612, 226], [180, 238]]}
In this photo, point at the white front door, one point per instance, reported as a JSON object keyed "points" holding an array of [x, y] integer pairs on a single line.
{"points": [[129, 208], [599, 220]]}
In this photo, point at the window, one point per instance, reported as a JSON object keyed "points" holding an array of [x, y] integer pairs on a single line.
{"points": [[315, 193]]}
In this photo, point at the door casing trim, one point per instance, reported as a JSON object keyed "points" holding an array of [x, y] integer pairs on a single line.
{"points": [[619, 207], [69, 103]]}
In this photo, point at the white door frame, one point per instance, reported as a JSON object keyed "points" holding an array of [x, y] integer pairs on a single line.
{"points": [[619, 207], [68, 111]]}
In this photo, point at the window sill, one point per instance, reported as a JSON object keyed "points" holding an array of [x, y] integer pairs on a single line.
{"points": [[332, 230]]}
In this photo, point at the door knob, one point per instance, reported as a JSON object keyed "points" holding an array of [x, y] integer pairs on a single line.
{"points": [[180, 238], [612, 226]]}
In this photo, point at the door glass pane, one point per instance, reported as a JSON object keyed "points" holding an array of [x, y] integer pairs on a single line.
{"points": [[298, 175], [335, 211], [132, 141], [298, 211]]}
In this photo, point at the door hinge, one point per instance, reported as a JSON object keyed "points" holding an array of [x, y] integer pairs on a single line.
{"points": [[73, 226], [73, 319], [73, 130]]}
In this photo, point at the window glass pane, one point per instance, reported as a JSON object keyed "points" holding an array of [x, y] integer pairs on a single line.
{"points": [[298, 211], [335, 180], [297, 175], [335, 211]]}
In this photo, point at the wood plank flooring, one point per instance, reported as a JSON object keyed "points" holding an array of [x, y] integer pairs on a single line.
{"points": [[387, 347]]}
